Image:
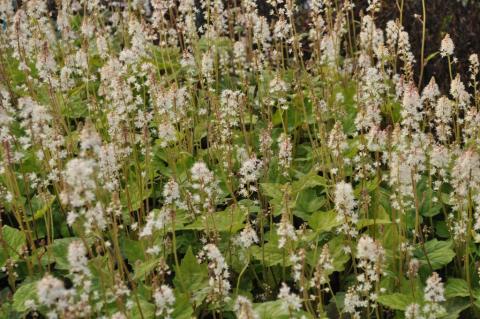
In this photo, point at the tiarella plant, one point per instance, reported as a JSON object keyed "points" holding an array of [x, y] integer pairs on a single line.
{"points": [[222, 159]]}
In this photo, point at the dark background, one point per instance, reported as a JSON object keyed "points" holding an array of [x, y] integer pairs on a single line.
{"points": [[461, 21], [443, 16]]}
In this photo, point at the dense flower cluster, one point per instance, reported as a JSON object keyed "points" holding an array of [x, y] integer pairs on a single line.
{"points": [[211, 159]]}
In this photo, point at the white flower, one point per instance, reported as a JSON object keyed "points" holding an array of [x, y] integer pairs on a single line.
{"points": [[446, 47], [344, 199], [154, 250], [8, 197], [337, 140], [109, 165], [285, 152], [443, 116], [230, 104], [51, 291], [431, 91], [30, 304], [171, 192], [457, 90], [33, 113], [443, 109], [94, 216], [249, 174], [369, 249], [277, 85], [474, 66], [164, 301], [353, 301], [323, 268], [247, 237], [281, 29], [218, 269], [243, 309], [345, 206], [118, 315], [201, 173], [297, 261], [89, 138], [285, 231], [433, 295], [290, 300], [466, 173], [77, 257], [166, 134], [157, 219], [207, 66], [434, 291], [411, 111], [413, 311], [205, 187], [102, 46], [79, 177]]}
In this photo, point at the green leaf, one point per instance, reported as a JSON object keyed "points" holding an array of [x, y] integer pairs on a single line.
{"points": [[276, 310], [456, 287], [147, 310], [24, 293], [441, 229], [428, 207], [308, 201], [455, 306], [271, 310], [42, 211], [324, 221], [183, 310], [307, 181], [431, 56], [396, 301], [59, 249], [136, 195], [273, 190], [370, 186], [270, 254], [133, 250], [340, 258], [231, 220], [370, 222], [439, 253], [143, 269], [193, 277], [76, 107], [6, 311], [10, 246]]}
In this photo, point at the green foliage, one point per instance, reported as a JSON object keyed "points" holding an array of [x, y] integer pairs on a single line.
{"points": [[13, 240], [396, 301], [308, 160], [27, 291], [436, 253]]}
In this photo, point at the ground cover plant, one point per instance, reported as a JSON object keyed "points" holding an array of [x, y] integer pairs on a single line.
{"points": [[197, 159]]}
